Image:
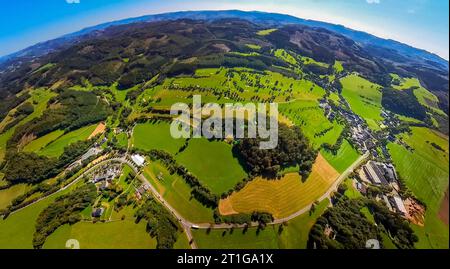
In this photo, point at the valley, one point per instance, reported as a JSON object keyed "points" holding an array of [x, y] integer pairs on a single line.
{"points": [[98, 116]]}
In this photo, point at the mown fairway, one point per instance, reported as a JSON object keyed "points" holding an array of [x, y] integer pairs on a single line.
{"points": [[177, 193], [282, 197], [311, 120], [213, 163], [149, 136], [56, 148], [294, 235], [364, 98], [345, 156], [425, 171]]}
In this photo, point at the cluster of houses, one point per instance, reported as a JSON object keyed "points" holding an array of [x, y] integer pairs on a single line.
{"points": [[107, 172], [376, 173], [142, 190], [328, 111]]}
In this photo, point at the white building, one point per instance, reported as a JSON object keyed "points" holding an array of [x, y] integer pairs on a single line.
{"points": [[398, 203], [138, 159]]}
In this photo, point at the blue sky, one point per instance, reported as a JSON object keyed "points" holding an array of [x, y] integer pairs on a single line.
{"points": [[420, 23]]}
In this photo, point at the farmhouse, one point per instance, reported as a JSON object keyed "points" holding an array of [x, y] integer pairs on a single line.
{"points": [[398, 204], [375, 173], [98, 212]]}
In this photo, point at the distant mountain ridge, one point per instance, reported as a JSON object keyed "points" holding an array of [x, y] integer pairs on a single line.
{"points": [[418, 55]]}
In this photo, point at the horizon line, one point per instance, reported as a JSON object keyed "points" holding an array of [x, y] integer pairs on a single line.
{"points": [[219, 10]]}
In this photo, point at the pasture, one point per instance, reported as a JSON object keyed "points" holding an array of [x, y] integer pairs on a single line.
{"points": [[9, 194], [177, 193], [213, 163], [38, 143], [281, 197], [293, 235], [425, 171], [147, 136], [115, 234], [17, 230], [266, 31], [364, 98], [345, 156], [56, 148]]}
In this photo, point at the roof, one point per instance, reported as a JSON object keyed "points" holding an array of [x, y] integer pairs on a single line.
{"points": [[138, 159], [399, 204]]}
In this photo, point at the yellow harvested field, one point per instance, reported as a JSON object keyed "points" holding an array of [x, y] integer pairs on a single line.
{"points": [[281, 197], [98, 130]]}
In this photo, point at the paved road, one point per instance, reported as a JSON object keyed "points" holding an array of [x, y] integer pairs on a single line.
{"points": [[327, 194], [71, 183]]}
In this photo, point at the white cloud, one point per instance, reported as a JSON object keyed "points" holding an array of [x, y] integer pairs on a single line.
{"points": [[373, 1], [72, 1]]}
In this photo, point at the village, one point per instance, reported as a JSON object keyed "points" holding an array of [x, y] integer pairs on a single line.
{"points": [[378, 172]]}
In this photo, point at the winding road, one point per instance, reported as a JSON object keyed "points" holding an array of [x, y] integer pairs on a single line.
{"points": [[186, 224]]}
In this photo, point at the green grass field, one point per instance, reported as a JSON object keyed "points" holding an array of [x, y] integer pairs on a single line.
{"points": [[213, 163], [293, 236], [149, 136], [311, 120], [266, 32], [253, 46], [39, 143], [177, 193], [345, 156], [7, 195], [56, 148], [122, 140], [425, 171], [115, 234], [338, 68], [17, 230], [351, 191], [364, 98]]}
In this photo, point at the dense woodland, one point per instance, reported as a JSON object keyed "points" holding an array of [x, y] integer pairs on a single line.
{"points": [[293, 149], [29, 167], [344, 226], [160, 223]]}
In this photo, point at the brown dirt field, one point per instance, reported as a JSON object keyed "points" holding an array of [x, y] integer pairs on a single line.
{"points": [[281, 197], [98, 130], [443, 212], [416, 212], [226, 207]]}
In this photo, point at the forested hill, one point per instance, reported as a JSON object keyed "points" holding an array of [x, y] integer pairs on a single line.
{"points": [[97, 53]]}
